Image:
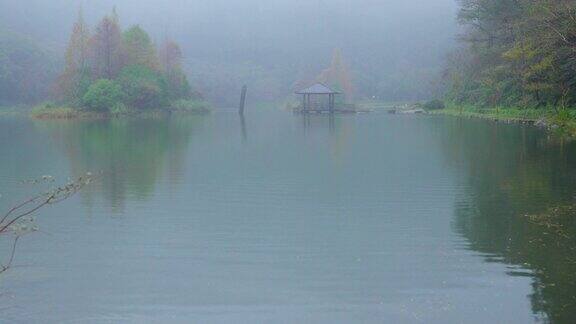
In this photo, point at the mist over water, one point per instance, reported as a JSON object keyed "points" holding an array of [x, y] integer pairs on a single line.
{"points": [[362, 204], [394, 48]]}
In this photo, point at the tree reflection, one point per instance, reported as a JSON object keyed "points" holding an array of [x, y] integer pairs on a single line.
{"points": [[132, 154], [519, 206]]}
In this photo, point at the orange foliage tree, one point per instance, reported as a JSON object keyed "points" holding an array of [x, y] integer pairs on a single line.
{"points": [[338, 76]]}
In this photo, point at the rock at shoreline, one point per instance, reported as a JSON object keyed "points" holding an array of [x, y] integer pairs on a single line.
{"points": [[542, 122]]}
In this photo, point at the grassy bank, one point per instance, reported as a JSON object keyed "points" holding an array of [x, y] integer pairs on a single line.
{"points": [[375, 105], [48, 111], [563, 120], [498, 113]]}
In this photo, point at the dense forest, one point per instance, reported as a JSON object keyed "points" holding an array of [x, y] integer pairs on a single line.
{"points": [[518, 53]]}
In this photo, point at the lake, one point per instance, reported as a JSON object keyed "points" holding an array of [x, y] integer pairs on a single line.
{"points": [[282, 218]]}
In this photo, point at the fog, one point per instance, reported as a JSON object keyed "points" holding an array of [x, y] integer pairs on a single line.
{"points": [[394, 48]]}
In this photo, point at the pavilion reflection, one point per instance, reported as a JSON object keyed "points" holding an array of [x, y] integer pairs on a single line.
{"points": [[313, 122]]}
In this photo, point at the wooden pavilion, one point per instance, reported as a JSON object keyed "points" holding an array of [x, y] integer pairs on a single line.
{"points": [[318, 98]]}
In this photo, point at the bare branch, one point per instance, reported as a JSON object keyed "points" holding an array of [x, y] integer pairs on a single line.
{"points": [[14, 220], [12, 254]]}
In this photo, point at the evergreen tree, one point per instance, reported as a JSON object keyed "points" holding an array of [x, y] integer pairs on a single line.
{"points": [[338, 76], [107, 51], [171, 56], [76, 77], [139, 49], [78, 46], [178, 85]]}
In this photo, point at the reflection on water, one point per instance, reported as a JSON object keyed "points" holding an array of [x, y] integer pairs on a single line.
{"points": [[243, 127], [319, 121], [131, 153], [519, 208], [296, 218]]}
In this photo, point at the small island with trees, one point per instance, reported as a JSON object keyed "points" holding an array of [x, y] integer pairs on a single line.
{"points": [[110, 72]]}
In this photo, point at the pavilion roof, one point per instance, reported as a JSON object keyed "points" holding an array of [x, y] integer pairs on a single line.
{"points": [[317, 88]]}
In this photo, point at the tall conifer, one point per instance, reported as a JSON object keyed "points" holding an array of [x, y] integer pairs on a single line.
{"points": [[75, 78], [107, 51]]}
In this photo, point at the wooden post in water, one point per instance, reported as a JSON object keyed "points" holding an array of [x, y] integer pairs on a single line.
{"points": [[243, 128], [243, 99], [331, 102]]}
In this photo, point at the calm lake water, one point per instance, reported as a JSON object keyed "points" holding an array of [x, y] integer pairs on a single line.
{"points": [[285, 219]]}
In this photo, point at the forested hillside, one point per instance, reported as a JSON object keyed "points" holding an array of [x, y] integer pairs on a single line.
{"points": [[26, 69], [517, 53]]}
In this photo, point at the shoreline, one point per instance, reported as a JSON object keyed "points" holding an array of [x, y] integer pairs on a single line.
{"points": [[83, 115], [561, 121], [547, 119], [67, 113]]}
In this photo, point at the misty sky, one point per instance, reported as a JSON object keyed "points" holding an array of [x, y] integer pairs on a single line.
{"points": [[274, 42]]}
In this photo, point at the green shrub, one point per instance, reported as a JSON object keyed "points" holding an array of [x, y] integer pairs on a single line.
{"points": [[139, 48], [73, 86], [564, 117], [102, 95], [190, 106], [48, 110], [434, 105], [144, 87], [179, 87]]}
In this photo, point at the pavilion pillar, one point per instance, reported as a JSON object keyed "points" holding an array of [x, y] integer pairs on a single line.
{"points": [[314, 99]]}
